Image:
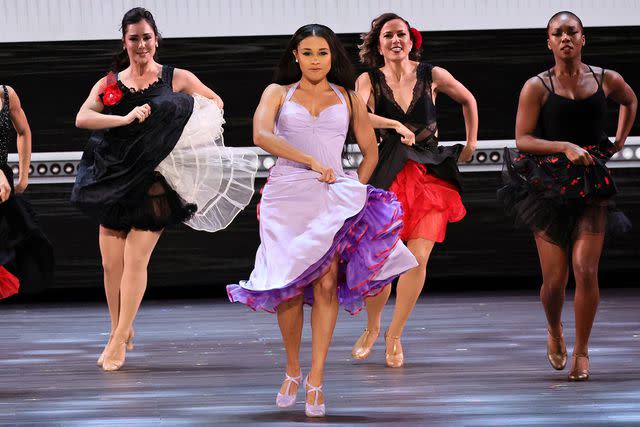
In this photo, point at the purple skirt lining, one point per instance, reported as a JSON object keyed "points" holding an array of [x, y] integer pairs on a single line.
{"points": [[362, 245]]}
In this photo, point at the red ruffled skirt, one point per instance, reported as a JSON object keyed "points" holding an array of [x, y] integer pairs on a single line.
{"points": [[428, 202], [9, 283]]}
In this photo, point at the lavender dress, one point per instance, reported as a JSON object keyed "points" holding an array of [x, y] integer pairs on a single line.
{"points": [[305, 223]]}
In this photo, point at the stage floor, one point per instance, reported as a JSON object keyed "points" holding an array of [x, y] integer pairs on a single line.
{"points": [[471, 359]]}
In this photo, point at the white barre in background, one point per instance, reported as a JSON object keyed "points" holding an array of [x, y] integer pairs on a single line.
{"points": [[60, 167]]}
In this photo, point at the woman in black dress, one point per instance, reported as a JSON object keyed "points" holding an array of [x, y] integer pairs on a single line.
{"points": [[400, 92], [155, 159], [26, 256], [557, 184]]}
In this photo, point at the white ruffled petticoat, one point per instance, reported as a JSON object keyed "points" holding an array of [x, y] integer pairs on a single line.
{"points": [[217, 179]]}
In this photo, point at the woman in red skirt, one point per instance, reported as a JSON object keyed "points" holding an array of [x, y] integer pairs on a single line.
{"points": [[400, 91]]}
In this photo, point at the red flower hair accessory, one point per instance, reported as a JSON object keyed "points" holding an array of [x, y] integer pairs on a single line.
{"points": [[417, 38], [111, 93]]}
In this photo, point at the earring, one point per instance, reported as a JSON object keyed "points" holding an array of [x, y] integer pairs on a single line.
{"points": [[156, 45], [296, 60]]}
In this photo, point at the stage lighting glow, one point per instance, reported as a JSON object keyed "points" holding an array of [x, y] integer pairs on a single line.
{"points": [[481, 157], [15, 169], [627, 153], [494, 156], [55, 169], [31, 169], [69, 168], [638, 153], [42, 169], [268, 162]]}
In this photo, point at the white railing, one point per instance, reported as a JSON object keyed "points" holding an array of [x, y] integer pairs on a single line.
{"points": [[60, 167]]}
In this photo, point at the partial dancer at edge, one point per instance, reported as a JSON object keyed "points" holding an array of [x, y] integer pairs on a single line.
{"points": [[26, 256], [156, 159], [326, 237], [558, 185], [400, 91]]}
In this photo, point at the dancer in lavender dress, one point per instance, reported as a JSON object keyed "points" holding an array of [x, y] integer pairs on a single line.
{"points": [[327, 238]]}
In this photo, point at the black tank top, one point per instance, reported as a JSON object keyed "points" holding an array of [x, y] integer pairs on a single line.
{"points": [[579, 121]]}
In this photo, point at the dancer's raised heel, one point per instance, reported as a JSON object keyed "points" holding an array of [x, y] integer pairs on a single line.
{"points": [[132, 334]]}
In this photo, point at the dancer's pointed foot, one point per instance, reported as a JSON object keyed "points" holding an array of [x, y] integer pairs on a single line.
{"points": [[362, 348], [132, 333], [115, 354], [556, 350]]}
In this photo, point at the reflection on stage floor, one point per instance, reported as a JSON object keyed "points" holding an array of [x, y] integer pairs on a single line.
{"points": [[471, 359]]}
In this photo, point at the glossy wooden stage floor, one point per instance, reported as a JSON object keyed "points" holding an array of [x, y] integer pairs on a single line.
{"points": [[471, 360]]}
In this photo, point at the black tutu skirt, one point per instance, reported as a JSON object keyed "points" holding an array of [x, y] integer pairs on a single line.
{"points": [[116, 181], [152, 206], [559, 200], [25, 252]]}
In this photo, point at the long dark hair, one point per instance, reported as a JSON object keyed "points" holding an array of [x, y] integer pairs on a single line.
{"points": [[370, 47], [133, 16], [342, 71]]}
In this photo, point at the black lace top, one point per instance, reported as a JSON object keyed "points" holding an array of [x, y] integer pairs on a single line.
{"points": [[420, 118], [4, 128]]}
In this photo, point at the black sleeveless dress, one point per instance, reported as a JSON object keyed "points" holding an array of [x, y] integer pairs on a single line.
{"points": [[555, 198], [26, 256], [425, 176], [116, 181]]}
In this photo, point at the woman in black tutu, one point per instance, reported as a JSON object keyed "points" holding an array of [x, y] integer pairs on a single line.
{"points": [[26, 256], [156, 158], [557, 183]]}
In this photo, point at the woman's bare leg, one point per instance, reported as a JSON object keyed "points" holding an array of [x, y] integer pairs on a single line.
{"points": [[290, 321], [409, 288], [138, 249], [323, 322]]}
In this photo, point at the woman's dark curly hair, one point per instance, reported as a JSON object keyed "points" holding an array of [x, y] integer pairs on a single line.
{"points": [[370, 47]]}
